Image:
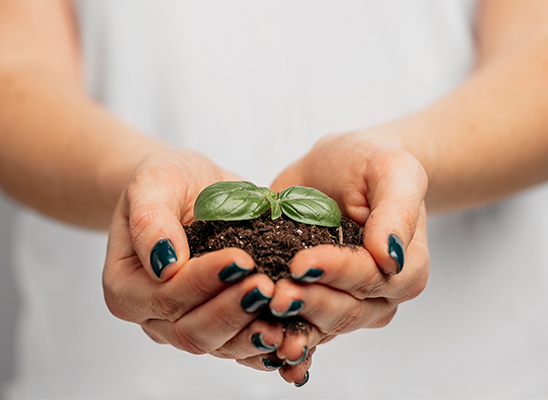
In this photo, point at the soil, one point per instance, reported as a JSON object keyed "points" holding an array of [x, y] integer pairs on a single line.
{"points": [[272, 244]]}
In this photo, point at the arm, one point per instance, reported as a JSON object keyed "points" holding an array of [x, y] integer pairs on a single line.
{"points": [[61, 153], [489, 138], [69, 158], [486, 140]]}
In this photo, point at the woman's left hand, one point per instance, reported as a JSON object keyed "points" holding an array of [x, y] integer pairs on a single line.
{"points": [[382, 188]]}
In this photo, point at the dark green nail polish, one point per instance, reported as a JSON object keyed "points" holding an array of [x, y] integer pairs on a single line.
{"points": [[233, 273], [306, 377], [310, 276], [162, 255], [272, 365], [295, 308], [396, 251], [255, 301], [301, 359], [257, 340]]}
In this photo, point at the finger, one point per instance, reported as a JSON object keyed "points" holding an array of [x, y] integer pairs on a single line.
{"points": [[396, 189], [330, 310], [291, 176], [264, 362], [211, 325], [202, 278], [155, 200], [297, 342], [259, 337], [352, 270], [298, 374]]}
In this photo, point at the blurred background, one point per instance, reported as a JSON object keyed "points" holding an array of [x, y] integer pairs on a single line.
{"points": [[9, 299]]}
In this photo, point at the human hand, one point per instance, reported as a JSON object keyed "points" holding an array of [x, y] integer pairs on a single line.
{"points": [[196, 305], [377, 185]]}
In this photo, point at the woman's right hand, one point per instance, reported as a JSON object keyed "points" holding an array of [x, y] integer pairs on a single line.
{"points": [[194, 304]]}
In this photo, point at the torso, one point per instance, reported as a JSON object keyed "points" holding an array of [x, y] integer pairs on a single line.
{"points": [[253, 85]]}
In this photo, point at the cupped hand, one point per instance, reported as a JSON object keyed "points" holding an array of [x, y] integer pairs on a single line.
{"points": [[199, 305], [382, 188]]}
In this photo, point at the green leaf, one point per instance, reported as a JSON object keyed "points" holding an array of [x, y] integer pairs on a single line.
{"points": [[230, 201], [267, 193], [275, 210], [310, 206]]}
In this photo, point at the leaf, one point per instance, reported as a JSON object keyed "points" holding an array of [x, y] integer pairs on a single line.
{"points": [[230, 201], [275, 209], [267, 193], [310, 206]]}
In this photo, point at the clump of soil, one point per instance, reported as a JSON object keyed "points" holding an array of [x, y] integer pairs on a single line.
{"points": [[272, 244]]}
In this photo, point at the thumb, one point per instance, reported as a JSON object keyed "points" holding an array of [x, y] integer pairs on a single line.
{"points": [[395, 199], [291, 176], [154, 213]]}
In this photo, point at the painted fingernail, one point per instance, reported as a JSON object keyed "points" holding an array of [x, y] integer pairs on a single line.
{"points": [[162, 255], [301, 359], [310, 276], [295, 308], [233, 273], [306, 377], [258, 342], [396, 251], [255, 301], [272, 365]]}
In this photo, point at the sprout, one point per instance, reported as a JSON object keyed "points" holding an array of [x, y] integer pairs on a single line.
{"points": [[240, 200]]}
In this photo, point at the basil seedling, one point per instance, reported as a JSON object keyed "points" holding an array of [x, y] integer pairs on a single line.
{"points": [[240, 200]]}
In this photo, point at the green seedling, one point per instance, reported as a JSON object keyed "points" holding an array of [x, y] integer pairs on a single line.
{"points": [[240, 200]]}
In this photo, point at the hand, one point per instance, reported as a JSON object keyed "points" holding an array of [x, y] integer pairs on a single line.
{"points": [[377, 185], [193, 304]]}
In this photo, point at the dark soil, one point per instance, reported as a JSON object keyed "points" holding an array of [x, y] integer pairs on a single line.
{"points": [[272, 244]]}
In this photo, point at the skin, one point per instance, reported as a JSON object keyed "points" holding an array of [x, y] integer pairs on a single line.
{"points": [[484, 141]]}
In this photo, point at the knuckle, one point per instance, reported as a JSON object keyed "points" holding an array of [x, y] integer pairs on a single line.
{"points": [[409, 219], [350, 320], [184, 340], [229, 324], [140, 221], [222, 353], [385, 319], [165, 307], [113, 299], [418, 285], [367, 288], [201, 285], [154, 336], [114, 305]]}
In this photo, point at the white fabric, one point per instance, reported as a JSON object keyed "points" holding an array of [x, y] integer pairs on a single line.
{"points": [[253, 84]]}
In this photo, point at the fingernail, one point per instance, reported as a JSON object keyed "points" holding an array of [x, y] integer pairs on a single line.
{"points": [[162, 255], [310, 276], [295, 308], [233, 273], [306, 377], [272, 365], [255, 301], [301, 359], [396, 251], [258, 342]]}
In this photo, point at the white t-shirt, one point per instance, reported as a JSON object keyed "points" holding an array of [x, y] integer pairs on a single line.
{"points": [[253, 84]]}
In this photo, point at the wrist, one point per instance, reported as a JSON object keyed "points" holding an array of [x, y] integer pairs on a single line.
{"points": [[411, 136], [119, 163]]}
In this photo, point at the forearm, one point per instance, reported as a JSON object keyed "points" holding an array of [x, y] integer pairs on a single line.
{"points": [[489, 138], [61, 153]]}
